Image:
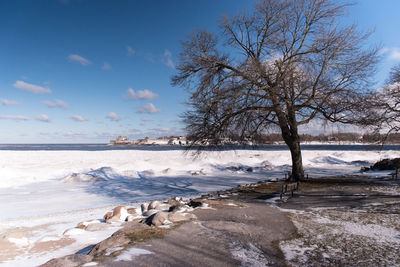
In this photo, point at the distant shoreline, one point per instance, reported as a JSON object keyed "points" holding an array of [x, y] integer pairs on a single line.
{"points": [[318, 146]]}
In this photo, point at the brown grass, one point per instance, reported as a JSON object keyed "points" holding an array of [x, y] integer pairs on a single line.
{"points": [[147, 234]]}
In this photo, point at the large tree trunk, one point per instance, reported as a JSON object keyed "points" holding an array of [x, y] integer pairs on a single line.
{"points": [[297, 161], [292, 140]]}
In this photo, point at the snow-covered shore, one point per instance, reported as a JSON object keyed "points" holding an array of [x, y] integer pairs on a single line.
{"points": [[47, 192]]}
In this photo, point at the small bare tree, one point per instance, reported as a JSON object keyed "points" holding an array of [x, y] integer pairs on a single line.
{"points": [[282, 65], [383, 111]]}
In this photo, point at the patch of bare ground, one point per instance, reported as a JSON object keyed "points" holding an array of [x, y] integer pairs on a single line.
{"points": [[335, 221], [344, 222]]}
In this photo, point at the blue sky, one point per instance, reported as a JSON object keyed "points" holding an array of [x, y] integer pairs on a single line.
{"points": [[85, 71]]}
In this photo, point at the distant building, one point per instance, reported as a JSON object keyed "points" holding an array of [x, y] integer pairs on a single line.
{"points": [[181, 140], [121, 140]]}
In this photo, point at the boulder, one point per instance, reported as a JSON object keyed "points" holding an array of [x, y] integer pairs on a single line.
{"points": [[387, 164], [97, 227], [118, 214], [130, 218], [108, 215], [195, 203], [144, 207], [178, 207], [132, 211], [163, 206], [175, 201], [83, 225], [154, 204], [149, 213], [116, 240], [68, 261], [160, 218]]}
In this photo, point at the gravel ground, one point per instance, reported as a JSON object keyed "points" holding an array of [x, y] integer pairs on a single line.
{"points": [[361, 227]]}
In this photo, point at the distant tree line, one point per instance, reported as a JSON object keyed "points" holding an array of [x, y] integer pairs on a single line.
{"points": [[392, 138], [273, 138]]}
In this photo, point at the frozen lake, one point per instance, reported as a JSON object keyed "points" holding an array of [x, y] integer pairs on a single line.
{"points": [[45, 186]]}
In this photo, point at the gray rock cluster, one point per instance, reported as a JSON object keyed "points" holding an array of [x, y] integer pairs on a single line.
{"points": [[173, 211], [155, 213]]}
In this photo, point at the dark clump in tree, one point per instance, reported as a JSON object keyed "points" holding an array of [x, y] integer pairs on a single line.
{"points": [[281, 66]]}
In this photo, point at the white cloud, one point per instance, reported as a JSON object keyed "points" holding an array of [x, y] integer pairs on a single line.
{"points": [[78, 118], [79, 59], [14, 117], [157, 132], [43, 117], [36, 89], [140, 94], [106, 66], [393, 53], [57, 103], [74, 134], [149, 108], [145, 119], [167, 59], [114, 117], [7, 102], [130, 51], [161, 129]]}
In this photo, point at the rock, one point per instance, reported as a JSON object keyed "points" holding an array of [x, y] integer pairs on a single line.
{"points": [[154, 204], [120, 213], [116, 240], [387, 164], [144, 207], [163, 206], [149, 213], [158, 219], [181, 217], [179, 207], [131, 227], [97, 227], [175, 201], [249, 169], [108, 215], [195, 203], [130, 218], [132, 211], [83, 225], [69, 261]]}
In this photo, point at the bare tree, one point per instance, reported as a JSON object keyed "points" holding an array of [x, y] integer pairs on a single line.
{"points": [[383, 112], [282, 65]]}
